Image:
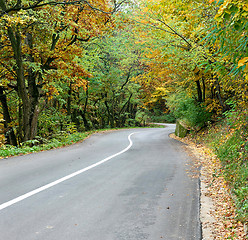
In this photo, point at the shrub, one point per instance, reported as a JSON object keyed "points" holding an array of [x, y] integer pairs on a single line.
{"points": [[187, 109], [230, 143], [164, 118]]}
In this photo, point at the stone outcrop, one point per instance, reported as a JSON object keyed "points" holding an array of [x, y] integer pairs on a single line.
{"points": [[181, 129]]}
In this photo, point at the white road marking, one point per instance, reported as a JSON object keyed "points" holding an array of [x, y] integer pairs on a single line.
{"points": [[40, 189]]}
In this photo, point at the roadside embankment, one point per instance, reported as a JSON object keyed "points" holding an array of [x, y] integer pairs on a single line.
{"points": [[223, 204]]}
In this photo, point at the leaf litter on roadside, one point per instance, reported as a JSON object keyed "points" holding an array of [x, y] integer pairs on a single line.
{"points": [[221, 222]]}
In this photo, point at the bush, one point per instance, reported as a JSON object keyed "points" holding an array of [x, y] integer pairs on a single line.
{"points": [[230, 143], [164, 118], [36, 145], [185, 108]]}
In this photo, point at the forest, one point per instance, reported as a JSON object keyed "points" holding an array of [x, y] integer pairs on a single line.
{"points": [[73, 66]]}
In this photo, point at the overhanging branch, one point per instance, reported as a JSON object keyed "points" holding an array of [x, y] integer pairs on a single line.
{"points": [[42, 3]]}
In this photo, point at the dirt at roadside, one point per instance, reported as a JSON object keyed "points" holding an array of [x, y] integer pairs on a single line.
{"points": [[217, 207]]}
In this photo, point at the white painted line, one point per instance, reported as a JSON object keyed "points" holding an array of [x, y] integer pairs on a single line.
{"points": [[40, 189]]}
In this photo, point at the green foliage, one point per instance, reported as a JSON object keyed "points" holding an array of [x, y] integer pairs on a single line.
{"points": [[112, 96], [187, 109], [227, 40], [39, 144], [52, 121], [163, 118], [241, 194], [60, 139], [235, 170], [231, 146]]}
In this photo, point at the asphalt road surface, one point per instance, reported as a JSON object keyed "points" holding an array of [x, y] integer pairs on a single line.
{"points": [[120, 185]]}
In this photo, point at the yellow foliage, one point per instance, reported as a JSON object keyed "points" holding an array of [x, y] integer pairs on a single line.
{"points": [[228, 4], [2, 138], [243, 61]]}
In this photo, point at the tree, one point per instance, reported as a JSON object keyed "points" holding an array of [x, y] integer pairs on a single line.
{"points": [[178, 31], [39, 42], [111, 94]]}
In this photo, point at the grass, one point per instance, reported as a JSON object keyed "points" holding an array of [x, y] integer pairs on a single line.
{"points": [[37, 145], [230, 144], [59, 140]]}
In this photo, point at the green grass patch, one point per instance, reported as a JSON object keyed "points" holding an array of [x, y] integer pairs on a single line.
{"points": [[59, 139]]}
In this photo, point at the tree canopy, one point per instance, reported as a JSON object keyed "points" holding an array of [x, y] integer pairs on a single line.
{"points": [[95, 64]]}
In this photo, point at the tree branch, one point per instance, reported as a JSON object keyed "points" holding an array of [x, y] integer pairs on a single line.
{"points": [[7, 68], [41, 3], [175, 32]]}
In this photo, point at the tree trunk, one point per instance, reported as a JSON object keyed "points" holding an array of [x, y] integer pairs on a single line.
{"points": [[203, 89], [218, 93], [7, 120], [15, 38], [199, 91], [86, 124], [33, 92], [69, 99], [110, 117]]}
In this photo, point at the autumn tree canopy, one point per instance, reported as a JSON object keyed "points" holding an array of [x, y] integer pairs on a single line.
{"points": [[199, 48], [90, 64], [40, 43]]}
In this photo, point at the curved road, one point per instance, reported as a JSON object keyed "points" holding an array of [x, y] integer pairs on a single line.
{"points": [[113, 186]]}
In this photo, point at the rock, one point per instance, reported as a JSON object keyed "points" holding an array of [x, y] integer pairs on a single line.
{"points": [[181, 130]]}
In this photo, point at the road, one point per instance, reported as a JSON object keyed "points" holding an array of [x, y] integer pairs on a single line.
{"points": [[118, 185]]}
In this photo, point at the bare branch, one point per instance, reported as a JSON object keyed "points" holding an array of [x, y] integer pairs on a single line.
{"points": [[174, 32], [153, 26]]}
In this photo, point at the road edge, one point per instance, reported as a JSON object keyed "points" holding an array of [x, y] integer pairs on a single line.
{"points": [[216, 215]]}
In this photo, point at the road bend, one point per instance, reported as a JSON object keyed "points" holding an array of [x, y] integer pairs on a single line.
{"points": [[117, 185]]}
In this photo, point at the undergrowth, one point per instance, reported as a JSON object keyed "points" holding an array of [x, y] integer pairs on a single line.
{"points": [[40, 144], [60, 139], [229, 140]]}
